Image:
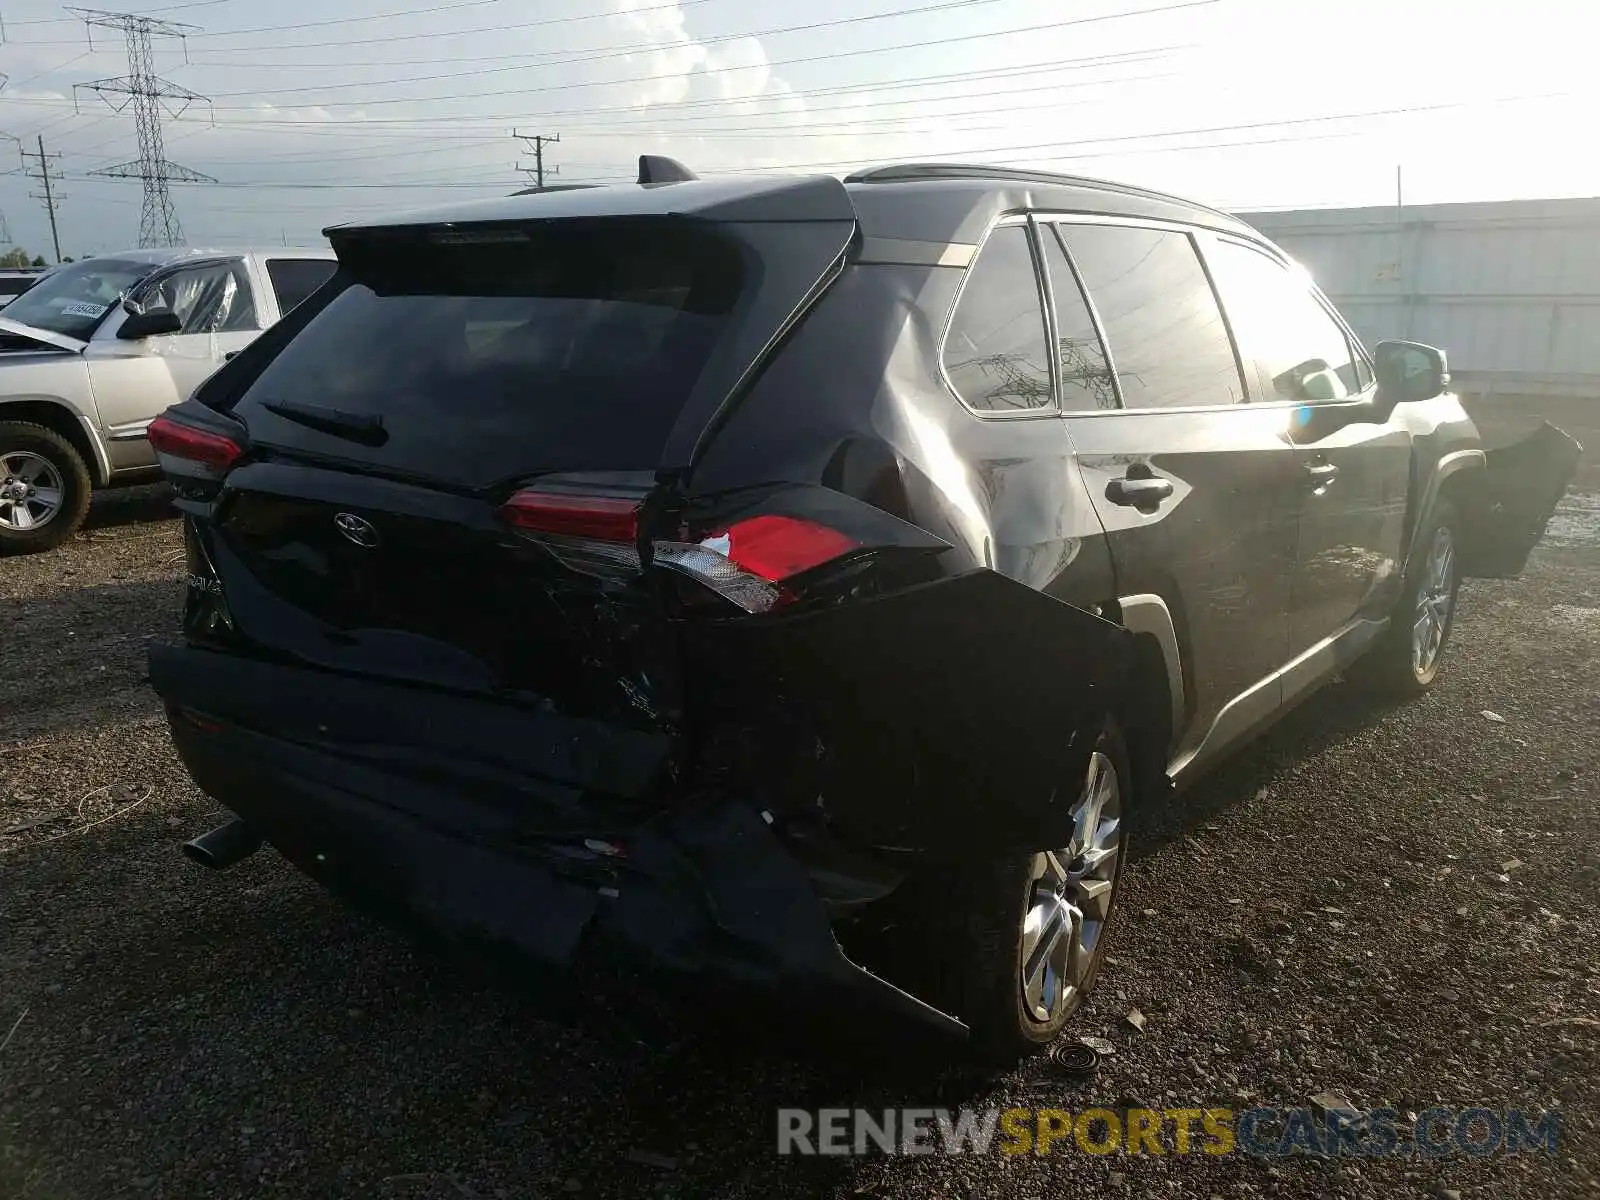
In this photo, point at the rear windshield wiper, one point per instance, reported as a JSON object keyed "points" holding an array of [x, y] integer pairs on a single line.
{"points": [[365, 428]]}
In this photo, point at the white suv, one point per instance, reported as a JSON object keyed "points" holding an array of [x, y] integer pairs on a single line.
{"points": [[96, 350]]}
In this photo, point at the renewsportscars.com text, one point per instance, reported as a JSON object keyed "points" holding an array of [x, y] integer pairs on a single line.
{"points": [[1269, 1132]]}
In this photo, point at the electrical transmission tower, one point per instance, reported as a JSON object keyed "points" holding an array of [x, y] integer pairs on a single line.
{"points": [[537, 142], [150, 97], [50, 196]]}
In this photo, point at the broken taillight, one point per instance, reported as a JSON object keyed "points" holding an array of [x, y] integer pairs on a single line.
{"points": [[184, 450], [747, 562], [750, 561]]}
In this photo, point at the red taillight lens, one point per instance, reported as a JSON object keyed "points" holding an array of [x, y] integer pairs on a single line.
{"points": [[175, 440], [607, 518], [776, 548], [747, 562], [750, 561]]}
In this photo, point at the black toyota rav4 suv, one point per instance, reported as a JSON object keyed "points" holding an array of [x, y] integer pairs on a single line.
{"points": [[798, 582]]}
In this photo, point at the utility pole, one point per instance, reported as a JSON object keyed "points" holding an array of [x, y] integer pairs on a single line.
{"points": [[149, 95], [49, 196], [537, 142]]}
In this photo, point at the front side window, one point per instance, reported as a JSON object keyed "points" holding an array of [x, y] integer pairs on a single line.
{"points": [[215, 298], [1300, 347], [1162, 324], [996, 354]]}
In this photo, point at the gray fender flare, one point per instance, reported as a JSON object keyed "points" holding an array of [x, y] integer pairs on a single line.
{"points": [[1449, 464], [1148, 614]]}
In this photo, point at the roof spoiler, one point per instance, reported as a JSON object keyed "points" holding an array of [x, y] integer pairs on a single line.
{"points": [[655, 168]]}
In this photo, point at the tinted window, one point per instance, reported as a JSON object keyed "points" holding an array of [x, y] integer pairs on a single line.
{"points": [[996, 354], [575, 349], [1085, 378], [73, 299], [293, 279], [210, 299], [1279, 322], [1162, 324]]}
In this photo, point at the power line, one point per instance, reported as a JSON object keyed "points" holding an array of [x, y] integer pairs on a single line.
{"points": [[672, 109], [598, 54], [1408, 110], [869, 127], [439, 8], [149, 95], [1089, 62], [49, 196], [1055, 66], [74, 20], [834, 56]]}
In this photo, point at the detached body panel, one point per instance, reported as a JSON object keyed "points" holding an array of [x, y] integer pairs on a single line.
{"points": [[1509, 507]]}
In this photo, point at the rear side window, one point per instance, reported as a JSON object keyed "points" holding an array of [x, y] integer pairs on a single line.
{"points": [[1301, 349], [293, 279], [1086, 382], [1162, 324], [570, 349], [996, 353]]}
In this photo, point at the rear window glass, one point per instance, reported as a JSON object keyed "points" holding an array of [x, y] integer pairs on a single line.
{"points": [[566, 351]]}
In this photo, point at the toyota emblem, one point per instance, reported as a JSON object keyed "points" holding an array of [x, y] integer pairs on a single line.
{"points": [[357, 529]]}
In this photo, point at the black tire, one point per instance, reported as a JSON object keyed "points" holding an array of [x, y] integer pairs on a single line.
{"points": [[976, 939], [1391, 667], [24, 437]]}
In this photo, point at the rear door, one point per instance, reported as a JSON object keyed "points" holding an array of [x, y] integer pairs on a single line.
{"points": [[1356, 472], [1196, 487], [996, 359]]}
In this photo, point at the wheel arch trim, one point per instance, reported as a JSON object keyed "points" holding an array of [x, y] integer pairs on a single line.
{"points": [[1146, 613], [1448, 465]]}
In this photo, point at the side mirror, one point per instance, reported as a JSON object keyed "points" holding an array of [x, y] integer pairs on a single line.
{"points": [[150, 323], [1408, 372]]}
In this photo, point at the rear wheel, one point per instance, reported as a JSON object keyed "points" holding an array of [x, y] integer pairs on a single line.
{"points": [[1019, 943], [44, 488], [1406, 661]]}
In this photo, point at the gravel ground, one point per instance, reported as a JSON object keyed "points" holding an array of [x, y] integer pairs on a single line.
{"points": [[1327, 913]]}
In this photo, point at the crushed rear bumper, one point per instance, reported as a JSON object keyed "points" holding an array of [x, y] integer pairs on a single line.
{"points": [[707, 893], [951, 710]]}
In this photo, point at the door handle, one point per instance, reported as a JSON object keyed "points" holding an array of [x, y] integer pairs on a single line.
{"points": [[1138, 493], [1321, 474]]}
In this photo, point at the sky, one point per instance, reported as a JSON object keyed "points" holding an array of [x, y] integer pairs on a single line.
{"points": [[325, 110]]}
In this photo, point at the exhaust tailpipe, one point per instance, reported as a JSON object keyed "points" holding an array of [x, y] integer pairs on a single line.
{"points": [[223, 846]]}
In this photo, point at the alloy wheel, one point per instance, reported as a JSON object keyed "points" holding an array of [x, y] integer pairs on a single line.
{"points": [[1071, 898], [31, 490], [1434, 597]]}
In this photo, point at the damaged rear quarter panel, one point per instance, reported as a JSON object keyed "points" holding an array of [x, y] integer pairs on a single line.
{"points": [[954, 712], [957, 713]]}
